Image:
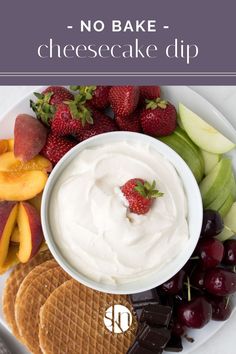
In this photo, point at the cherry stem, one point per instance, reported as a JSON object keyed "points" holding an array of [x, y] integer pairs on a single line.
{"points": [[195, 257], [191, 286], [189, 339], [227, 302], [189, 289]]}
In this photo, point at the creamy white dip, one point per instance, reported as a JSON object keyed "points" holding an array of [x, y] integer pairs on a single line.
{"points": [[91, 223]]}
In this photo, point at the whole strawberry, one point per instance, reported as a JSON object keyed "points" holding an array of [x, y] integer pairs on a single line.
{"points": [[45, 106], [130, 123], [56, 147], [124, 99], [58, 94], [140, 195], [150, 92], [159, 118], [69, 118], [101, 124], [97, 96]]}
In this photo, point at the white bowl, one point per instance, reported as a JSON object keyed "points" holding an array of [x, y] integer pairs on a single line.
{"points": [[195, 212]]}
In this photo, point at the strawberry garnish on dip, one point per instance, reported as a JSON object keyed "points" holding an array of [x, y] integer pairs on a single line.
{"points": [[140, 195]]}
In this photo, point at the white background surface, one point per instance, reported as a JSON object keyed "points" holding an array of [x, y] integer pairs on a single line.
{"points": [[223, 98]]}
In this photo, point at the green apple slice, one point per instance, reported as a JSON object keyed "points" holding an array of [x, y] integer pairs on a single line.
{"points": [[186, 152], [230, 218], [225, 208], [210, 160], [218, 178], [225, 198], [230, 224], [184, 136], [202, 133], [225, 234], [179, 121]]}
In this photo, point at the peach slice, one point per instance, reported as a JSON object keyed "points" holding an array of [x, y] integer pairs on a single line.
{"points": [[36, 202], [29, 137], [8, 214], [8, 162], [3, 146], [11, 259], [10, 145], [31, 233], [15, 236], [21, 185]]}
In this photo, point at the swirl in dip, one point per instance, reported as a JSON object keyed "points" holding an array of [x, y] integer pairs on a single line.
{"points": [[92, 225]]}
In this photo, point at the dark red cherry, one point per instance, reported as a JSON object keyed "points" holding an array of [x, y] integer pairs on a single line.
{"points": [[210, 251], [222, 307], [220, 282], [177, 329], [229, 252], [212, 223], [197, 278], [175, 284], [195, 313]]}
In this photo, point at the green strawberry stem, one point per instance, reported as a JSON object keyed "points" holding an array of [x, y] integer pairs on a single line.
{"points": [[148, 190], [78, 108], [42, 108], [45, 111], [85, 92], [157, 103], [74, 88], [79, 111]]}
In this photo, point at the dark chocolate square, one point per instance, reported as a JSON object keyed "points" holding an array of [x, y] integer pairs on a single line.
{"points": [[138, 349], [174, 345], [153, 338], [141, 305], [145, 296], [156, 315]]}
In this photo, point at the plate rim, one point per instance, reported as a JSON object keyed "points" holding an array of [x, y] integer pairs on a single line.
{"points": [[216, 112]]}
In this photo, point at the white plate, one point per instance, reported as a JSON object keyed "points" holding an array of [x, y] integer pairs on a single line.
{"points": [[175, 94]]}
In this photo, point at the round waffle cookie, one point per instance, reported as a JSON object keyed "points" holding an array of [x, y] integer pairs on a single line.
{"points": [[39, 269], [12, 285], [72, 322], [32, 294]]}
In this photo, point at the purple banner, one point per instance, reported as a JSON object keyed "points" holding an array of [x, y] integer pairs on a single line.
{"points": [[172, 42]]}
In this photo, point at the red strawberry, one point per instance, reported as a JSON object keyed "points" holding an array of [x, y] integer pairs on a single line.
{"points": [[159, 118], [130, 123], [97, 96], [58, 94], [101, 124], [45, 106], [56, 147], [124, 99], [140, 195], [63, 123], [150, 92]]}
